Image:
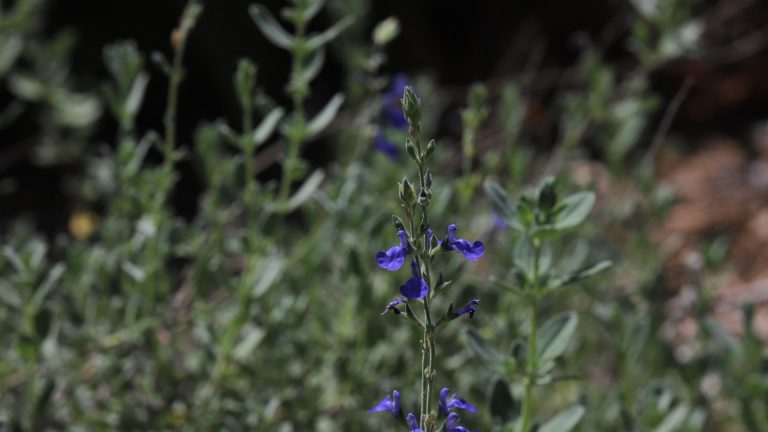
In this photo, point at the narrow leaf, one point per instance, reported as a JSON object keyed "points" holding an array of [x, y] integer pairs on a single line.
{"points": [[318, 40], [326, 115], [306, 190], [136, 95], [267, 126], [269, 26], [313, 66]]}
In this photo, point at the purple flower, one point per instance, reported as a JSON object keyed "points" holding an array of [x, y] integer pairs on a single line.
{"points": [[382, 144], [412, 423], [391, 101], [499, 223], [389, 403], [470, 308], [454, 403], [392, 306], [452, 423], [472, 251], [415, 287], [394, 257]]}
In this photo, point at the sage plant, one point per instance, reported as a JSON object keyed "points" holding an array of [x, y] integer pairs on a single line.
{"points": [[420, 246], [540, 217]]}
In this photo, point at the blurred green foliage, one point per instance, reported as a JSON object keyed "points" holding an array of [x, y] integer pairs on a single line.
{"points": [[262, 311]]}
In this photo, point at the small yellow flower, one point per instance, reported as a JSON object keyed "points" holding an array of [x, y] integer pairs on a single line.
{"points": [[82, 223]]}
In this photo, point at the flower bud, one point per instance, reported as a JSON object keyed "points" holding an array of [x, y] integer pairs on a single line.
{"points": [[430, 149], [407, 192], [428, 179], [411, 149], [398, 223], [411, 107]]}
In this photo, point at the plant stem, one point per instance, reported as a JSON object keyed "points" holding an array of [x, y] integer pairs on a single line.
{"points": [[295, 137], [531, 368]]}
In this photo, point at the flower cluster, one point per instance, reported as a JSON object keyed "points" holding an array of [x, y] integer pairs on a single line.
{"points": [[416, 287], [447, 409]]}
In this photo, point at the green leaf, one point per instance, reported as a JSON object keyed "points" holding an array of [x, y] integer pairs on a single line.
{"points": [[136, 95], [564, 421], [247, 346], [586, 272], [318, 40], [267, 126], [13, 257], [573, 210], [9, 296], [674, 420], [326, 115], [271, 269], [487, 353], [49, 282], [554, 335], [312, 9], [523, 257], [502, 204], [313, 66], [269, 26], [306, 190]]}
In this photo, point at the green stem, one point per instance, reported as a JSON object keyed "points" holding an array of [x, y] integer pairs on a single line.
{"points": [[169, 118], [250, 181], [531, 369], [295, 137]]}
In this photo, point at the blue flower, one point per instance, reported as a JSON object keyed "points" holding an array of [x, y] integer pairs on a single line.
{"points": [[454, 403], [391, 101], [412, 423], [415, 287], [393, 258], [392, 306], [470, 308], [382, 144], [499, 223], [389, 403], [452, 424], [472, 251]]}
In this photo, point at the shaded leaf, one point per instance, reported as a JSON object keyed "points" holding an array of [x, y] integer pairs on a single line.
{"points": [[572, 210], [487, 353], [554, 335], [503, 406], [564, 421]]}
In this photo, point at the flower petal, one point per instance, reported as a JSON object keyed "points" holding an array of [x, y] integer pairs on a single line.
{"points": [[415, 288]]}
